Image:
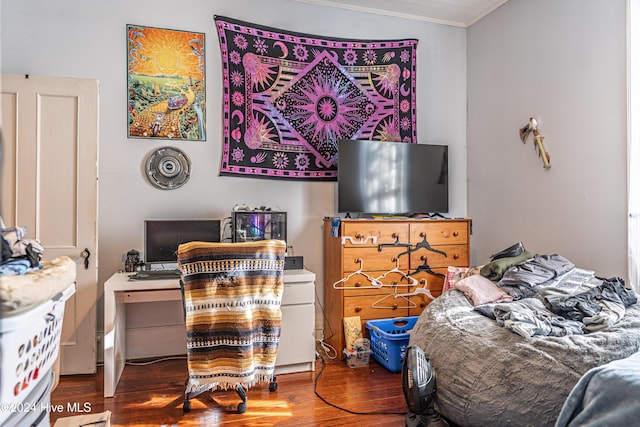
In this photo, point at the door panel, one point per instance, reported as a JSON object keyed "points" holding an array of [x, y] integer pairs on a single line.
{"points": [[49, 185]]}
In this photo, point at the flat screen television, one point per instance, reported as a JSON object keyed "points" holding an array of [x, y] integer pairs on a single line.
{"points": [[162, 238], [392, 178]]}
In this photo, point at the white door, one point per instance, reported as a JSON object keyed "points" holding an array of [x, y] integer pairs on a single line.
{"points": [[50, 185]]}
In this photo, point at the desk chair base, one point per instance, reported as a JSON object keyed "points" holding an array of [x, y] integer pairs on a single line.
{"points": [[240, 408]]}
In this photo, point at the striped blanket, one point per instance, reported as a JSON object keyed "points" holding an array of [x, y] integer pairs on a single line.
{"points": [[232, 296]]}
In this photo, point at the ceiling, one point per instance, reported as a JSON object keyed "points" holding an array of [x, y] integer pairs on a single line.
{"points": [[459, 13]]}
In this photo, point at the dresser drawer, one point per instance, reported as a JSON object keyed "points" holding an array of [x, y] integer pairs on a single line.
{"points": [[433, 281], [363, 306], [366, 233], [439, 233], [373, 259], [359, 285], [384, 290], [457, 255]]}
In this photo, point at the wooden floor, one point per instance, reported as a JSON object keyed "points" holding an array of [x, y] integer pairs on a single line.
{"points": [[152, 395]]}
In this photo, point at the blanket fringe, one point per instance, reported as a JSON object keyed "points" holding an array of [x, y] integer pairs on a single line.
{"points": [[197, 387]]}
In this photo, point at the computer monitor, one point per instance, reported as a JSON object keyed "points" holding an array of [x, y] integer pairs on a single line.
{"points": [[162, 238]]}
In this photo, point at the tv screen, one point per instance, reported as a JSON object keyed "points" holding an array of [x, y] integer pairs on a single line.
{"points": [[162, 238], [392, 178]]}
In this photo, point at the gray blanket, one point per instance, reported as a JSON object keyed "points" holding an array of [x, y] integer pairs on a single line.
{"points": [[605, 396], [488, 375]]}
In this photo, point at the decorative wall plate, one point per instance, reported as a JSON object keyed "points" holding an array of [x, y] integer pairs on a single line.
{"points": [[168, 168]]}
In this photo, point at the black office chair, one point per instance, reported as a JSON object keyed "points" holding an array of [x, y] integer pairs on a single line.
{"points": [[232, 294]]}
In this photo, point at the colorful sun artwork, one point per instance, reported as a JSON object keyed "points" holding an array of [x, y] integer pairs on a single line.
{"points": [[166, 83]]}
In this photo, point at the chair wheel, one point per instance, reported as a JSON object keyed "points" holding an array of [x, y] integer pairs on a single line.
{"points": [[242, 408], [186, 406], [273, 386]]}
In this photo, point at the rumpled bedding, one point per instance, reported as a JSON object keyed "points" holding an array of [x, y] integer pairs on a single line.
{"points": [[521, 280], [528, 317], [571, 300], [605, 396], [490, 376], [514, 363], [19, 293]]}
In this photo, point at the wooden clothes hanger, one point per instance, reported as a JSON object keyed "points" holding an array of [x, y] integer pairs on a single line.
{"points": [[375, 283]]}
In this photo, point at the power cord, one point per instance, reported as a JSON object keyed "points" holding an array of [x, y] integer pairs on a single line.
{"points": [[329, 351], [324, 316], [315, 390], [150, 362]]}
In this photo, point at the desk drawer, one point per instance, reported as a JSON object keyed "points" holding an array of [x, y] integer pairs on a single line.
{"points": [[298, 293]]}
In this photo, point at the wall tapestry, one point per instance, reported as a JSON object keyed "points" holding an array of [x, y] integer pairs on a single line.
{"points": [[165, 80], [289, 98]]}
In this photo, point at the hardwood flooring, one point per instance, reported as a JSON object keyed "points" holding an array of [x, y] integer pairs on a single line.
{"points": [[152, 395]]}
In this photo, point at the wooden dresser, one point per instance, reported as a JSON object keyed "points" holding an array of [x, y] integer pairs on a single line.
{"points": [[391, 252]]}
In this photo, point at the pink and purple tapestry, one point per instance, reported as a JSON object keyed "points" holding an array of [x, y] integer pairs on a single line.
{"points": [[289, 98]]}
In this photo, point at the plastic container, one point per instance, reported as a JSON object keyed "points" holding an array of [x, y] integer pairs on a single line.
{"points": [[390, 339], [357, 359], [33, 411], [359, 356], [29, 346]]}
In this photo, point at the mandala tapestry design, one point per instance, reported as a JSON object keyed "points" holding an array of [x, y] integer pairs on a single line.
{"points": [[289, 98]]}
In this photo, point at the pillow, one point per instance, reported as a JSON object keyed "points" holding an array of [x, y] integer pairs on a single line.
{"points": [[480, 290]]}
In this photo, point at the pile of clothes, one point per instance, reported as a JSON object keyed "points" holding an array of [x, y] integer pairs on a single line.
{"points": [[544, 294], [18, 254]]}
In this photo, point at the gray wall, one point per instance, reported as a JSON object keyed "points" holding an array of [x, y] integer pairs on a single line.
{"points": [[562, 62], [75, 38]]}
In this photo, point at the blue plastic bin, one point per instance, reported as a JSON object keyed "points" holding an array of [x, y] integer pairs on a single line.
{"points": [[390, 339]]}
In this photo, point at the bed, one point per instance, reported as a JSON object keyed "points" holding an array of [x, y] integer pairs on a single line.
{"points": [[489, 375]]}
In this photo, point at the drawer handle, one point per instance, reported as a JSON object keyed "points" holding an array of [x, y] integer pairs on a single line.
{"points": [[394, 307], [456, 256], [358, 309], [455, 234], [361, 240], [423, 304]]}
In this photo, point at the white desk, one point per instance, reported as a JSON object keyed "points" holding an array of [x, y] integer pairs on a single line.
{"points": [[296, 349]]}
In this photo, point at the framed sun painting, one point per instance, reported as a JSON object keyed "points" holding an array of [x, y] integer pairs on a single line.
{"points": [[166, 84]]}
